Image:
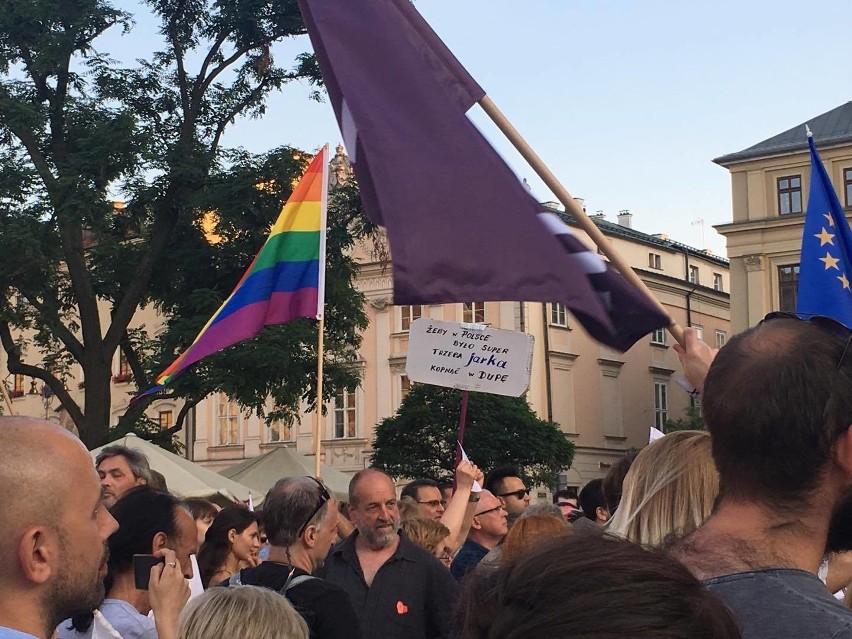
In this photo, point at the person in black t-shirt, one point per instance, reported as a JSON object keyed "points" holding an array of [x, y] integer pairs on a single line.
{"points": [[301, 524]]}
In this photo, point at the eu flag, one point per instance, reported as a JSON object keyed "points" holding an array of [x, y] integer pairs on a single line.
{"points": [[825, 269]]}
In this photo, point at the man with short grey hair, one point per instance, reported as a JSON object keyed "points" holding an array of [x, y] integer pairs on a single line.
{"points": [[397, 588], [120, 469], [300, 518]]}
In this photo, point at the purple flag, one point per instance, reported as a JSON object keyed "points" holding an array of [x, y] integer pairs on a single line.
{"points": [[461, 226]]}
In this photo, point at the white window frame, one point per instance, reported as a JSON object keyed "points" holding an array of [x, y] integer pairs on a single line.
{"points": [[407, 314], [661, 405], [171, 419], [699, 330], [231, 419], [343, 411], [721, 338], [718, 283], [473, 312], [694, 275], [278, 425], [655, 261], [558, 315], [658, 337]]}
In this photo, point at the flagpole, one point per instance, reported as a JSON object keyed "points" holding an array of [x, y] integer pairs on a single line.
{"points": [[575, 209], [318, 426]]}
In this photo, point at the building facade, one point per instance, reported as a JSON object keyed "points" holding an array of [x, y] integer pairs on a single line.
{"points": [[605, 401], [769, 185]]}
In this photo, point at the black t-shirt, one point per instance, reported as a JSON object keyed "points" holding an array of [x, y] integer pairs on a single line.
{"points": [[325, 606]]}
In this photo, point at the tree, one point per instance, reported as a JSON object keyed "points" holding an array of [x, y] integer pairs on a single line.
{"points": [[694, 420], [419, 441], [78, 129]]}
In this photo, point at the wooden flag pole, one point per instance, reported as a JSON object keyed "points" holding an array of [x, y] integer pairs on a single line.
{"points": [[6, 397], [318, 425], [575, 209]]}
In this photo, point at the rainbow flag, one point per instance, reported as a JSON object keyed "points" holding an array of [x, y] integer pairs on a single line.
{"points": [[286, 280]]}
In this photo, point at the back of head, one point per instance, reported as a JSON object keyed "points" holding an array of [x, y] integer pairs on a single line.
{"points": [[408, 509], [669, 490], [411, 490], [591, 587], [565, 493], [774, 404], [531, 531], [288, 507], [200, 508], [591, 498], [494, 480], [141, 513], [244, 611], [613, 483], [136, 459], [426, 533]]}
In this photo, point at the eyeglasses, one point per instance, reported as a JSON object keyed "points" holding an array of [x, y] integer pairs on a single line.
{"points": [[826, 323], [490, 510], [517, 494], [434, 503], [323, 497]]}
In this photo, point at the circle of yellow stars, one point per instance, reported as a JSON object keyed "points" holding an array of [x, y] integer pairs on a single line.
{"points": [[829, 260]]}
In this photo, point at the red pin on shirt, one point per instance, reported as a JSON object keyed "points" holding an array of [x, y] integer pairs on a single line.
{"points": [[401, 608]]}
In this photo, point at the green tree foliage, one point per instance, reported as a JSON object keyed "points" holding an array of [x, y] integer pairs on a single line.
{"points": [[419, 441], [80, 129], [693, 420]]}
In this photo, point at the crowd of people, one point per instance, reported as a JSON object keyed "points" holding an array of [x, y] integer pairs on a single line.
{"points": [[741, 531]]}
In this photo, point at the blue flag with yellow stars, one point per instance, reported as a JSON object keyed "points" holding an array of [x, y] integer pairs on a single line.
{"points": [[825, 270]]}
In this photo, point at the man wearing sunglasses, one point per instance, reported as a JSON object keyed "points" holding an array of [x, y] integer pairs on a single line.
{"points": [[777, 401], [506, 484], [301, 525], [490, 525]]}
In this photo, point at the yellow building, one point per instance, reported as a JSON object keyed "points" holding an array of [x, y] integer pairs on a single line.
{"points": [[605, 401], [769, 183]]}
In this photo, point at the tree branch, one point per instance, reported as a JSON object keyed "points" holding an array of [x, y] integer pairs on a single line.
{"points": [[50, 316], [223, 122], [133, 361]]}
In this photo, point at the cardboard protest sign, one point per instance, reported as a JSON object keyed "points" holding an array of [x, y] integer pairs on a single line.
{"points": [[469, 356]]}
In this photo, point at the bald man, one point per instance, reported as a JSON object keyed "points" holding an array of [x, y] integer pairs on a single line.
{"points": [[53, 529]]}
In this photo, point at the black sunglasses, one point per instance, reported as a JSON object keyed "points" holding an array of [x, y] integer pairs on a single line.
{"points": [[825, 323], [518, 494], [323, 498]]}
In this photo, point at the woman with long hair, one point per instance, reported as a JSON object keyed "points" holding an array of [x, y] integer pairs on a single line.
{"points": [[231, 543]]}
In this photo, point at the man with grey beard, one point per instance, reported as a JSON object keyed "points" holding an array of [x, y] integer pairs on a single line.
{"points": [[398, 589]]}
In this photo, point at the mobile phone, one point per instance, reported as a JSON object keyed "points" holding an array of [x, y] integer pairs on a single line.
{"points": [[142, 565]]}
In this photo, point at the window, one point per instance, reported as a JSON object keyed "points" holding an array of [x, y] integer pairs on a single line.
{"points": [[404, 387], [558, 315], [789, 194], [18, 385], [661, 405], [788, 285], [408, 315], [693, 275], [655, 261], [847, 185], [699, 330], [473, 313], [165, 418], [659, 337], [721, 338], [345, 415], [227, 421], [124, 372], [20, 303], [278, 431], [717, 282]]}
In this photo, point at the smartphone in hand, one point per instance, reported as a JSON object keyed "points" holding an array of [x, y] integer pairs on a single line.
{"points": [[142, 565]]}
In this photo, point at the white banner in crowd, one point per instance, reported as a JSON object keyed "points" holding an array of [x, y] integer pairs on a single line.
{"points": [[470, 357]]}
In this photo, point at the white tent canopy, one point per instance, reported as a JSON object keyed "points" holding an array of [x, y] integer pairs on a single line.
{"points": [[260, 473], [186, 478]]}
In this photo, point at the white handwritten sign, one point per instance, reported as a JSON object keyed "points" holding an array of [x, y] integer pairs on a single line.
{"points": [[469, 356]]}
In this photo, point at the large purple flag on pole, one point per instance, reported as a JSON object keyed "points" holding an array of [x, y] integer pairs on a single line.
{"points": [[461, 226]]}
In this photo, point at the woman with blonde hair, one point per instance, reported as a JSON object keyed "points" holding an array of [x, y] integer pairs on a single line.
{"points": [[250, 612], [429, 534], [669, 490]]}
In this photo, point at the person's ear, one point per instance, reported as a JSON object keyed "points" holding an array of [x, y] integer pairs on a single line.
{"points": [[232, 535], [310, 536], [475, 524], [843, 451], [38, 552], [159, 542]]}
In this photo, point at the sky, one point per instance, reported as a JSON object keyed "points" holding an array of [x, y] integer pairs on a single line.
{"points": [[626, 102]]}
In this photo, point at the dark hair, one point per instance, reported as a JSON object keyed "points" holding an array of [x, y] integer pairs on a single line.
{"points": [[495, 479], [414, 487], [774, 404], [560, 588], [287, 507], [565, 493], [136, 459], [141, 513], [614, 481], [591, 498], [158, 481], [216, 545], [200, 508]]}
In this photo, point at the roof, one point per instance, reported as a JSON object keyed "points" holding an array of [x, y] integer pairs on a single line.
{"points": [[831, 128]]}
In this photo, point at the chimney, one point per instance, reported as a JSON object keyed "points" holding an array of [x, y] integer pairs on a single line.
{"points": [[625, 218], [581, 202]]}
